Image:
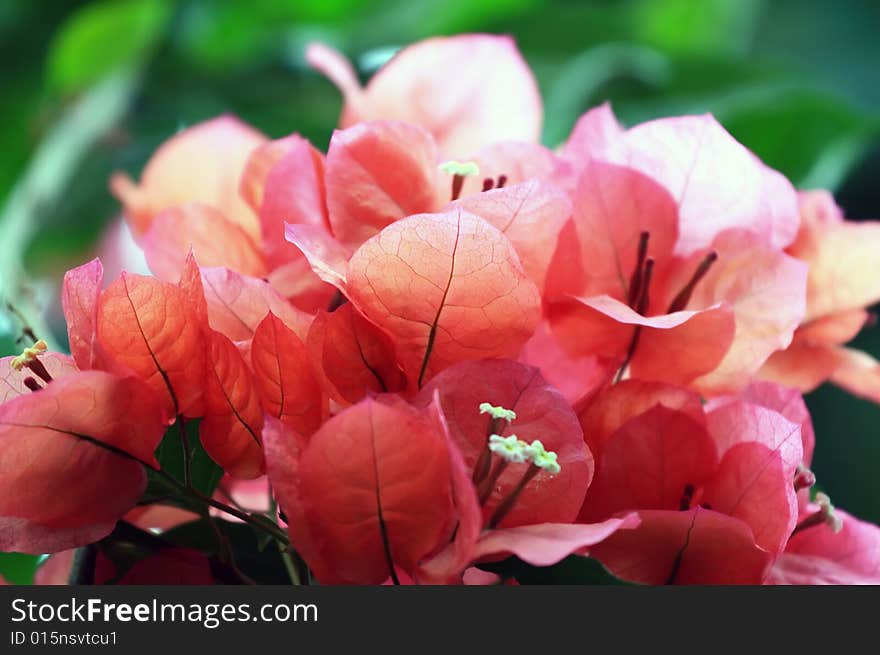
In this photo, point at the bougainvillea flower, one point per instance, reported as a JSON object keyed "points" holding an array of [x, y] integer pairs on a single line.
{"points": [[481, 535], [618, 289], [715, 493], [352, 356], [819, 555], [459, 88], [233, 214], [356, 510], [72, 457], [357, 514], [283, 377], [843, 280], [201, 164], [541, 413], [446, 287]]}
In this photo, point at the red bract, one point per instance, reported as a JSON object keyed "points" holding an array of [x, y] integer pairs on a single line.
{"points": [[233, 419], [70, 458], [283, 377], [541, 413], [237, 304], [356, 509], [618, 289], [715, 494], [843, 280], [459, 88], [353, 356], [378, 173], [149, 327], [446, 287]]}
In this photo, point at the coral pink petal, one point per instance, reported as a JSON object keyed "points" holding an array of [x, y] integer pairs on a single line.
{"points": [[606, 411], [650, 463], [354, 357], [283, 377], [70, 459], [361, 498], [376, 173], [531, 215], [446, 288], [768, 304]]}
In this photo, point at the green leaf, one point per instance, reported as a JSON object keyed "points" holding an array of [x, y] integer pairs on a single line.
{"points": [[101, 38], [206, 474], [573, 570], [811, 137], [685, 26], [18, 568], [263, 565]]}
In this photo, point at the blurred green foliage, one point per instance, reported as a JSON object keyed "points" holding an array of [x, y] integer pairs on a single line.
{"points": [[795, 80]]}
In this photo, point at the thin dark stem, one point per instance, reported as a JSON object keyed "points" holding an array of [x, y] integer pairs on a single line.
{"points": [[187, 452]]}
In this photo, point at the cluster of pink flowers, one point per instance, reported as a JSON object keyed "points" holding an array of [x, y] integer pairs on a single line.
{"points": [[444, 343]]}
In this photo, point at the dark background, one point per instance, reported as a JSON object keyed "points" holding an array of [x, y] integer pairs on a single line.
{"points": [[795, 80]]}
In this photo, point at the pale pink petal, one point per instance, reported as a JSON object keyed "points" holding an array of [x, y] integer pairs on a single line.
{"points": [[844, 269], [592, 133], [327, 257], [545, 544], [202, 163], [819, 556], [238, 303], [468, 90], [765, 289], [716, 182]]}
